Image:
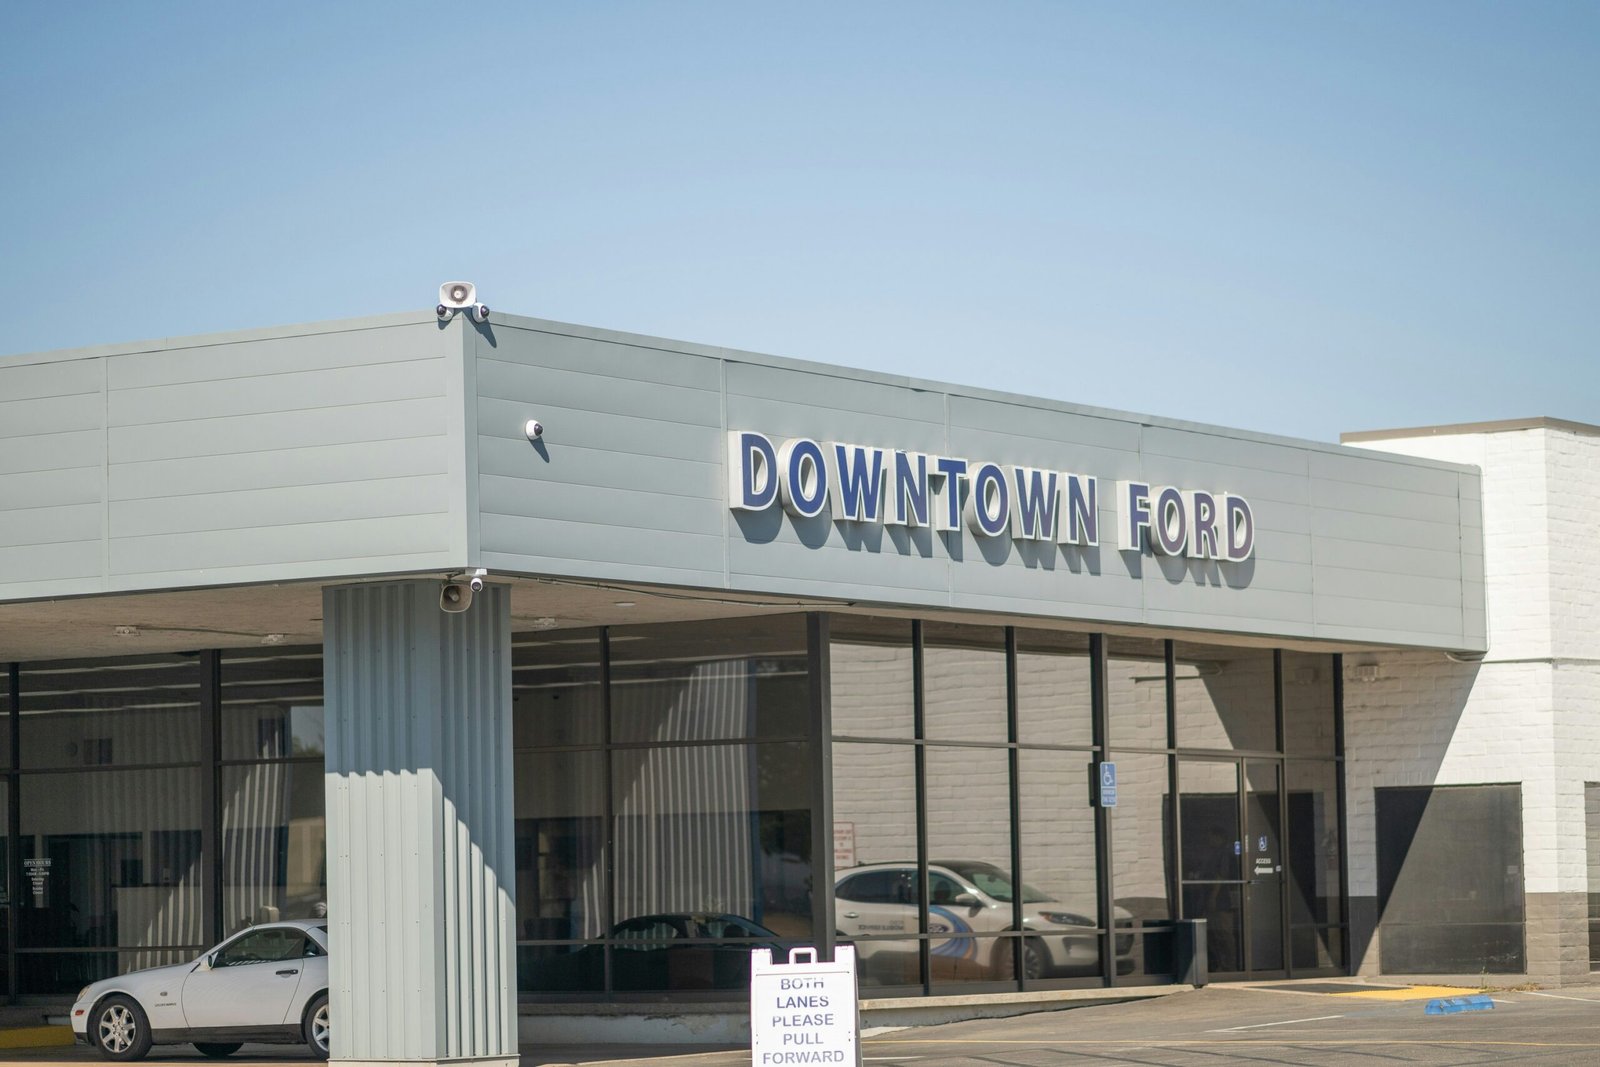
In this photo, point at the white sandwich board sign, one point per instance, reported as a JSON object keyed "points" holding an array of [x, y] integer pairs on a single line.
{"points": [[803, 1011]]}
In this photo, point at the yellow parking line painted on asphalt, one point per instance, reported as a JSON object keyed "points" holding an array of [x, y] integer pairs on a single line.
{"points": [[1415, 992], [35, 1036]]}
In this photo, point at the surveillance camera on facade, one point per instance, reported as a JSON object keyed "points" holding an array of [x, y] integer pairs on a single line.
{"points": [[534, 429], [461, 296], [456, 594]]}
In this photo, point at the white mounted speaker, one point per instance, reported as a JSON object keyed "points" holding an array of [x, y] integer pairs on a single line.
{"points": [[455, 597], [457, 295]]}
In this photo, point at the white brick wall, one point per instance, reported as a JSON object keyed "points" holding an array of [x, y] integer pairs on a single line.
{"points": [[1530, 712]]}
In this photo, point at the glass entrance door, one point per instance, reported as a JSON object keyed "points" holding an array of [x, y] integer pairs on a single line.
{"points": [[1231, 868], [1263, 873]]}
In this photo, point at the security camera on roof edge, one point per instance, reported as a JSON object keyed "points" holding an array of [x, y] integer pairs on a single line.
{"points": [[461, 296]]}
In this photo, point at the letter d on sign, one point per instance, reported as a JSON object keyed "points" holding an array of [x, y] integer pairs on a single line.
{"points": [[752, 471]]}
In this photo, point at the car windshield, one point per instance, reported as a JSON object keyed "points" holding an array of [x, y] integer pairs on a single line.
{"points": [[996, 883]]}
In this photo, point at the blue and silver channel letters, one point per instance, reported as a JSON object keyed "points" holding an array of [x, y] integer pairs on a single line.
{"points": [[894, 487]]}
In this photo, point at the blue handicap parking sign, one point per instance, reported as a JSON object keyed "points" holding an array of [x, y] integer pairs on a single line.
{"points": [[1108, 785]]}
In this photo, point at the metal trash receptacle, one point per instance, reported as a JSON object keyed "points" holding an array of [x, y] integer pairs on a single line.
{"points": [[1189, 957]]}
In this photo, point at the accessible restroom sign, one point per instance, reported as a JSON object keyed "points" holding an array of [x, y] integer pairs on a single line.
{"points": [[804, 1011]]}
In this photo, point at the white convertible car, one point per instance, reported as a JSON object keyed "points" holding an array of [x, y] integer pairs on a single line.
{"points": [[268, 984]]}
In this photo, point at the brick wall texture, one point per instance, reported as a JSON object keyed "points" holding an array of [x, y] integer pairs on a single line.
{"points": [[1529, 713]]}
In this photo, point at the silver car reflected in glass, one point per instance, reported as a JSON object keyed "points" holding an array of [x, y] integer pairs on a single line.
{"points": [[966, 899], [266, 984]]}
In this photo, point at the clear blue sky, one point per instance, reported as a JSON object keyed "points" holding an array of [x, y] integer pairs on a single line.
{"points": [[1292, 217]]}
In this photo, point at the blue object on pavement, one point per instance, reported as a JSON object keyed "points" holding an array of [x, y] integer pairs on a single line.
{"points": [[1453, 1005]]}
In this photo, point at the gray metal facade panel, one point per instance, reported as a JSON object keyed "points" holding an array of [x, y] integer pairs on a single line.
{"points": [[63, 450], [222, 551], [65, 568], [1384, 470], [323, 427], [1438, 562], [50, 415], [256, 457], [1047, 423], [341, 464], [501, 457], [294, 505], [576, 390], [52, 479], [810, 389], [571, 548], [620, 488], [1222, 450], [232, 358], [836, 424], [622, 435], [22, 381]]}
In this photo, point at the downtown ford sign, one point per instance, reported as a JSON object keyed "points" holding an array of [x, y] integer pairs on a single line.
{"points": [[894, 487]]}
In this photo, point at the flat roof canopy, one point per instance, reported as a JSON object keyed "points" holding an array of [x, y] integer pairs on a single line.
{"points": [[219, 481]]}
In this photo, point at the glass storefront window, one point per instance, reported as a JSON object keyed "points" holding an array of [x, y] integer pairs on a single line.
{"points": [[561, 845], [1060, 882], [111, 860], [706, 774], [878, 898], [1140, 825], [104, 713], [5, 715], [871, 676], [963, 683], [709, 846], [272, 704], [1224, 697], [274, 843], [5, 873], [557, 698], [971, 884], [719, 829], [1054, 697], [707, 681], [1136, 692]]}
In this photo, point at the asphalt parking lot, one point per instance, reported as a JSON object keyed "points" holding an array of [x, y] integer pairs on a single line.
{"points": [[1213, 1026]]}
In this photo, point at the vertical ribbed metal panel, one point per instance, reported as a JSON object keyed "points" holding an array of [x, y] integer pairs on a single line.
{"points": [[420, 878]]}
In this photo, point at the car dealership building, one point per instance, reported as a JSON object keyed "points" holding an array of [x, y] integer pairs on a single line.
{"points": [[767, 652]]}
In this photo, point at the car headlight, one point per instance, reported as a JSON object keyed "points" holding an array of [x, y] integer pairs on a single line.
{"points": [[84, 992], [1065, 918]]}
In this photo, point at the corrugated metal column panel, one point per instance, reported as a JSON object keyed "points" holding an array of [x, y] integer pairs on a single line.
{"points": [[421, 865]]}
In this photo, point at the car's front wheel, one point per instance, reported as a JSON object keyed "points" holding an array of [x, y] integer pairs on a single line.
{"points": [[120, 1030], [217, 1050], [1035, 959], [316, 1026]]}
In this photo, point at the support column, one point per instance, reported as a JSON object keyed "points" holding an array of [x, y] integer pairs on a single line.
{"points": [[421, 876]]}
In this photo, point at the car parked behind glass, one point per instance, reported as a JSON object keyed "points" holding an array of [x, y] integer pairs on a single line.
{"points": [[266, 984]]}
